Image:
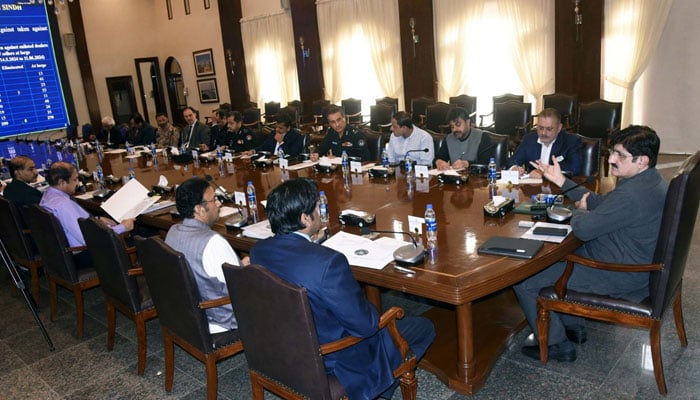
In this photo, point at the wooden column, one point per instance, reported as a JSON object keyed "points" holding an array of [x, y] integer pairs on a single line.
{"points": [[419, 73], [230, 15], [310, 70]]}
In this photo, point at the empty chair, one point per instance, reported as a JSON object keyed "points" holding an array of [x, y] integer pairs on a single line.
{"points": [[599, 119], [251, 118], [59, 266], [272, 108], [392, 101], [353, 110], [182, 313], [419, 107], [665, 278], [19, 243], [566, 104], [296, 104], [590, 160], [512, 118], [380, 117], [498, 100], [282, 348], [318, 110], [466, 102], [436, 117], [124, 287]]}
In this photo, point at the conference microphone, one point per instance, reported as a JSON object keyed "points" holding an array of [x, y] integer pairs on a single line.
{"points": [[225, 195], [411, 254], [587, 181], [425, 150]]}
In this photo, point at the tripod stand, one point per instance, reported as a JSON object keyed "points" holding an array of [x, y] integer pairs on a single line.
{"points": [[17, 280]]}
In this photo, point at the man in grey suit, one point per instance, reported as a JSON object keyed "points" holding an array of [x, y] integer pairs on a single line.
{"points": [[195, 135]]}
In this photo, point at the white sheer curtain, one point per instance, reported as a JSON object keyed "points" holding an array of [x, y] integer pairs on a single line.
{"points": [[532, 45], [361, 50], [632, 32], [473, 51], [268, 43]]}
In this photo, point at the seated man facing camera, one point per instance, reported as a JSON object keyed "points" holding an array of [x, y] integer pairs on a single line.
{"points": [[619, 227], [338, 304]]}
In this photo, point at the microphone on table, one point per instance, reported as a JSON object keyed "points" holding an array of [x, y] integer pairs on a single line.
{"points": [[410, 254], [225, 195], [587, 181], [425, 150], [562, 214]]}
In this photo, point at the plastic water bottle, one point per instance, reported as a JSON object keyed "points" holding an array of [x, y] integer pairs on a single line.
{"points": [[410, 174], [385, 156], [252, 199], [323, 207], [129, 150], [492, 171], [132, 174], [430, 228], [280, 153], [100, 177], [345, 163]]}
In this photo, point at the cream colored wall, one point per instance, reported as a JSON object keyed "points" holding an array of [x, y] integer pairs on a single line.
{"points": [[667, 97], [118, 31], [252, 8]]}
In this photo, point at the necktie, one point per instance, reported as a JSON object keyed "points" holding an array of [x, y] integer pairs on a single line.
{"points": [[189, 135]]}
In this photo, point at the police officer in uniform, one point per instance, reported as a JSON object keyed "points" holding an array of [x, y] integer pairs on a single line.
{"points": [[236, 138], [341, 137]]}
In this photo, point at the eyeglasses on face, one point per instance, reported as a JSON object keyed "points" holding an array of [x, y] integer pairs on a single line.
{"points": [[620, 156]]}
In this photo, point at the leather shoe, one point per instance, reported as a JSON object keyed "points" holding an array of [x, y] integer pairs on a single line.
{"points": [[563, 351], [576, 334]]}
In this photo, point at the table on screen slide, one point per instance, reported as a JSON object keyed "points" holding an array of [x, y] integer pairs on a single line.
{"points": [[474, 311]]}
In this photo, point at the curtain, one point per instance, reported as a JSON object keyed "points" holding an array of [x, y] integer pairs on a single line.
{"points": [[532, 46], [361, 50], [632, 32], [268, 43]]}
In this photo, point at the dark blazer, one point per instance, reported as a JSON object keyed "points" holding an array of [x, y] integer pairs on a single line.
{"points": [[340, 308], [292, 145], [200, 135], [113, 136], [144, 135], [567, 146]]}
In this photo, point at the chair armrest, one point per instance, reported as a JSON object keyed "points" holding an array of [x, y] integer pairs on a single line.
{"points": [[481, 118], [560, 285], [221, 301], [76, 248], [387, 320], [134, 271]]}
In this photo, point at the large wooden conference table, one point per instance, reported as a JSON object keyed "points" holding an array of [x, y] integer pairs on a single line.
{"points": [[474, 311]]}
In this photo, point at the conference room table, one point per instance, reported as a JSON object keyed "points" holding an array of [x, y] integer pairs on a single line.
{"points": [[475, 313]]}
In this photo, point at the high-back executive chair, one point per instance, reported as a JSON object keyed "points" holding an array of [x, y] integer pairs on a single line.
{"points": [[181, 312], [665, 278], [58, 262], [123, 283], [282, 347], [20, 243]]}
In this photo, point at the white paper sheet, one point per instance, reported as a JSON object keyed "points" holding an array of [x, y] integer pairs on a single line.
{"points": [[363, 252], [261, 230], [546, 238], [129, 201]]}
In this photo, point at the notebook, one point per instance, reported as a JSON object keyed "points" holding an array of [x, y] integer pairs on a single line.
{"points": [[511, 247]]}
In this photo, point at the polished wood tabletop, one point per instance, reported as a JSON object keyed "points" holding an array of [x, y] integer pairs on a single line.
{"points": [[475, 313]]}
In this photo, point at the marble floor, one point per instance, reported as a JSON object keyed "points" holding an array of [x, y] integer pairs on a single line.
{"points": [[615, 363]]}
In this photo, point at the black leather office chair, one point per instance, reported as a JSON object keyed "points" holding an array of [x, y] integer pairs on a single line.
{"points": [[665, 278], [20, 243], [380, 117], [182, 312], [498, 100], [512, 118], [419, 107], [374, 143], [436, 117], [123, 283], [272, 108], [392, 101], [566, 104], [282, 348], [58, 262], [353, 110], [466, 102], [319, 110], [590, 148], [499, 149]]}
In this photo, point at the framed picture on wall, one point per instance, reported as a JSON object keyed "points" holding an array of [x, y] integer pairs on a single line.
{"points": [[207, 90], [203, 62]]}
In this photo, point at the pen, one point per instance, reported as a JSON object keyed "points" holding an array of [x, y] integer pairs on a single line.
{"points": [[404, 270]]}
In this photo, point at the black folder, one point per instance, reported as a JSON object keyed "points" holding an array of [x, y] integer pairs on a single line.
{"points": [[511, 247]]}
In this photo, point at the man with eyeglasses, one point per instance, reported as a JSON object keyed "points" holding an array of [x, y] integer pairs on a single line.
{"points": [[549, 141], [619, 227], [466, 145], [204, 249]]}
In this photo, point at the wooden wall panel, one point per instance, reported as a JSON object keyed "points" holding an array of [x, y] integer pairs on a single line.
{"points": [[229, 16], [419, 74], [310, 71]]}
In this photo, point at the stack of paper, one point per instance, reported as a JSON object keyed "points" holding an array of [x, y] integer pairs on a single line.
{"points": [[261, 230], [363, 252]]}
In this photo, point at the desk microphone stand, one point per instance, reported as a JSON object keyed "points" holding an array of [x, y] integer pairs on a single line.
{"points": [[25, 292]]}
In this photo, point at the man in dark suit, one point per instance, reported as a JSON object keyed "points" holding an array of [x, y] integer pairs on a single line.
{"points": [[110, 135], [550, 140], [142, 133], [338, 304], [286, 137], [341, 137], [195, 135], [18, 191]]}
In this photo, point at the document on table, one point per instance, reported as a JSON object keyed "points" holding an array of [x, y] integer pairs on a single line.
{"points": [[261, 230], [159, 206], [450, 172], [129, 201], [363, 252], [302, 165]]}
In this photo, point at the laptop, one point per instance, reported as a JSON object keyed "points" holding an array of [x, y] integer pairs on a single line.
{"points": [[511, 247]]}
